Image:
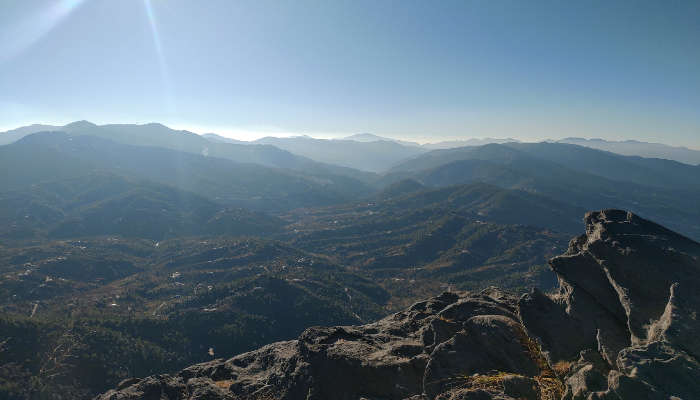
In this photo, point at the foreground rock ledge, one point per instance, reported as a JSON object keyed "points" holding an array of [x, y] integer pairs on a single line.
{"points": [[623, 325]]}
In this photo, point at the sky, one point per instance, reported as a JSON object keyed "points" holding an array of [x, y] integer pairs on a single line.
{"points": [[415, 70]]}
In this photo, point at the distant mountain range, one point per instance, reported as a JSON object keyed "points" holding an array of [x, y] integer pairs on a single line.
{"points": [[280, 174], [373, 156], [468, 142], [368, 137], [592, 179], [158, 135], [218, 138], [643, 149], [363, 152], [47, 157]]}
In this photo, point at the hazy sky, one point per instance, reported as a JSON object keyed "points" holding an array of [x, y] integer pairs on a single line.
{"points": [[420, 70]]}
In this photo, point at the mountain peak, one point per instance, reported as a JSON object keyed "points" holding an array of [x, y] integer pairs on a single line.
{"points": [[155, 125], [366, 137], [82, 124]]}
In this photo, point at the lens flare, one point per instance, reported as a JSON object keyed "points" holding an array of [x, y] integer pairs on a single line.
{"points": [[157, 43], [20, 37]]}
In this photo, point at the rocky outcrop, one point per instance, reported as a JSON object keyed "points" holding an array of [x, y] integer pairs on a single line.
{"points": [[623, 325], [627, 306]]}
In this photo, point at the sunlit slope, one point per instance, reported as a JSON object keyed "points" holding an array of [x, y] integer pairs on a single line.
{"points": [[49, 156]]}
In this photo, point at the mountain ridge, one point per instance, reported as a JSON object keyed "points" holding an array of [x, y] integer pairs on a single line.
{"points": [[640, 148], [372, 156], [659, 189], [159, 135], [369, 137], [233, 183], [627, 147]]}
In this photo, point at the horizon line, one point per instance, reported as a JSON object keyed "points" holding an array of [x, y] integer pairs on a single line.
{"points": [[252, 134]]}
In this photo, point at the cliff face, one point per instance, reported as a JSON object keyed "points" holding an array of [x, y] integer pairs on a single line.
{"points": [[623, 325], [625, 318]]}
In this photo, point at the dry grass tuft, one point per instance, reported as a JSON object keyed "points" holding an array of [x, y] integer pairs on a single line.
{"points": [[548, 383], [493, 382], [224, 384], [550, 386], [562, 367], [442, 318]]}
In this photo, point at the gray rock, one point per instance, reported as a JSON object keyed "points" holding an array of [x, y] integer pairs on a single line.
{"points": [[489, 343], [153, 387], [614, 289]]}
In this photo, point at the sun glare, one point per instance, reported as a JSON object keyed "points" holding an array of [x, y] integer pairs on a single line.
{"points": [[29, 31], [158, 44]]}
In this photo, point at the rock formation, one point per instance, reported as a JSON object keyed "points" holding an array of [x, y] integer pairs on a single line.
{"points": [[623, 325]]}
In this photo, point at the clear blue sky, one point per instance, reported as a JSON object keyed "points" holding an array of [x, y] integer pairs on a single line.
{"points": [[422, 70]]}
